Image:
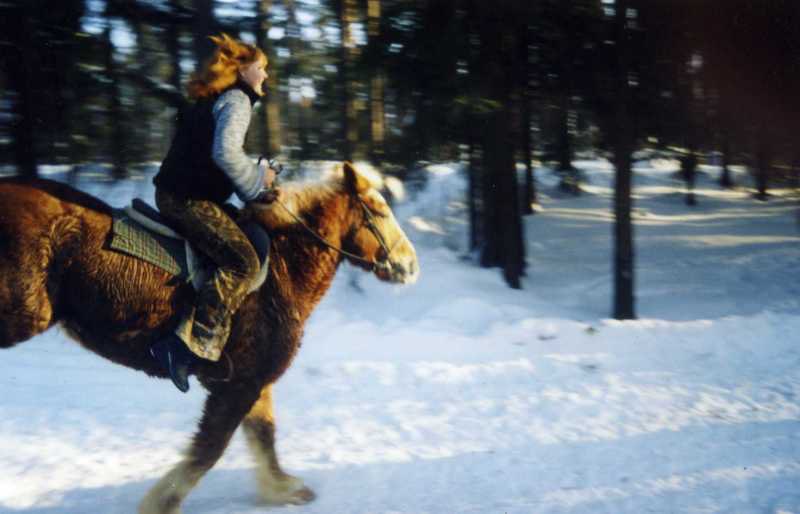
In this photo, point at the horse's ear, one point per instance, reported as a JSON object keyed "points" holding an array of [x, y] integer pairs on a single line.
{"points": [[353, 180]]}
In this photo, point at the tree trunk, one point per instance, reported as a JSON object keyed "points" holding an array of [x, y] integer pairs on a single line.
{"points": [[20, 60], [527, 153], [796, 181], [303, 116], [623, 148], [569, 178], [270, 144], [491, 223], [295, 133], [143, 135], [763, 163], [174, 50], [115, 114], [725, 179], [472, 132], [504, 228], [377, 118], [63, 52], [202, 28], [563, 148], [377, 84], [529, 198], [172, 35], [689, 170], [347, 15], [473, 187]]}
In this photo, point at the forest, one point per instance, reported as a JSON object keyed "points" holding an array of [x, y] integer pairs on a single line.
{"points": [[597, 204], [400, 83]]}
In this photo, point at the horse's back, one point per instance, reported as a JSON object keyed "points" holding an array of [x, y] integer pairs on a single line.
{"points": [[41, 197]]}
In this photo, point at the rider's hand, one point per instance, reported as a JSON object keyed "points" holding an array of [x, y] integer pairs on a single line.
{"points": [[270, 191], [269, 195], [269, 176]]}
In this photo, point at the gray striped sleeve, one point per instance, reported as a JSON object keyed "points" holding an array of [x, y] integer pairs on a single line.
{"points": [[232, 113]]}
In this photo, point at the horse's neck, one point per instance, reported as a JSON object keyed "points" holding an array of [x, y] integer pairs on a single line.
{"points": [[302, 272], [301, 268]]}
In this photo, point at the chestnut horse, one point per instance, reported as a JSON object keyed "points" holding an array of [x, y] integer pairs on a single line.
{"points": [[55, 268]]}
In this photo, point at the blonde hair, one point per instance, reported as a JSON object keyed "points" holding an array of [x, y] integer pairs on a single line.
{"points": [[221, 70]]}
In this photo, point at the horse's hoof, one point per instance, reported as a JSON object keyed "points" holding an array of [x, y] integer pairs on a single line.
{"points": [[289, 491], [303, 496]]}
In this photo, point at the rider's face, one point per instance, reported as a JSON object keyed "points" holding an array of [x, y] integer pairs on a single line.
{"points": [[254, 74]]}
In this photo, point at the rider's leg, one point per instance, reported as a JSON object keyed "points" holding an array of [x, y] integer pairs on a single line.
{"points": [[212, 232]]}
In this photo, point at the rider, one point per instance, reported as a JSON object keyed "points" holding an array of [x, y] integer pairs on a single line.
{"points": [[205, 164]]}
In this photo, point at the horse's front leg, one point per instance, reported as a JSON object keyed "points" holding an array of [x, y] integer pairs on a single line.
{"points": [[222, 414], [274, 485]]}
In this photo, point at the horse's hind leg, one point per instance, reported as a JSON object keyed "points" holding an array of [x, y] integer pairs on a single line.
{"points": [[223, 412], [275, 486]]}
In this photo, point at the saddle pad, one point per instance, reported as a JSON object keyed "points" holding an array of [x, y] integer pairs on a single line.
{"points": [[131, 238]]}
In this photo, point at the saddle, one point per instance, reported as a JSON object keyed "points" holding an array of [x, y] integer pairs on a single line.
{"points": [[141, 231]]}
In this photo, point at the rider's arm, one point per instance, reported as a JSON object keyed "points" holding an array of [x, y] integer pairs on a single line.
{"points": [[232, 112]]}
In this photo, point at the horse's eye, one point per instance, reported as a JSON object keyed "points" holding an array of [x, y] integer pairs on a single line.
{"points": [[378, 212]]}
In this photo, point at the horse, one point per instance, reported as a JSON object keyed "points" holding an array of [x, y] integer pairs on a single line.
{"points": [[55, 267]]}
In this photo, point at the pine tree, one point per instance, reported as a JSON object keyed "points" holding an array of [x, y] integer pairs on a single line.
{"points": [[503, 246], [624, 304]]}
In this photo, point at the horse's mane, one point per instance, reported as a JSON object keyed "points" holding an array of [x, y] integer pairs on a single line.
{"points": [[298, 199]]}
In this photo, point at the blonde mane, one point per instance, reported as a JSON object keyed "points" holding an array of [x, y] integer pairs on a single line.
{"points": [[297, 198]]}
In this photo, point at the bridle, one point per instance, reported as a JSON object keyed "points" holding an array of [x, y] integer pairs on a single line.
{"points": [[384, 264], [368, 220]]}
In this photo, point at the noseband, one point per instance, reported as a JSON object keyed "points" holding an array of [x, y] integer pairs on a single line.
{"points": [[368, 221]]}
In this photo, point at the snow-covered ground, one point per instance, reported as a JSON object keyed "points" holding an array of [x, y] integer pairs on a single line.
{"points": [[460, 395]]}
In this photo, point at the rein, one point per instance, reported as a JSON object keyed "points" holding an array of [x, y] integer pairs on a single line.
{"points": [[368, 220]]}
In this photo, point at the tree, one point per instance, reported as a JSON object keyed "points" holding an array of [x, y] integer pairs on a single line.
{"points": [[503, 245], [20, 68], [346, 13], [566, 40], [114, 110], [270, 111], [623, 142], [748, 50], [203, 25], [39, 48], [524, 44], [377, 91]]}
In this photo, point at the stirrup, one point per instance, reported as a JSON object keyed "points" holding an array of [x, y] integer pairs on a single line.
{"points": [[175, 359]]}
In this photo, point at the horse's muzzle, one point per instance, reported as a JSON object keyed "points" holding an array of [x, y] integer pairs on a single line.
{"points": [[398, 272]]}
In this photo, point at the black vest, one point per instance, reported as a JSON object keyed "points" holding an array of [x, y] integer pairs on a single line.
{"points": [[189, 171]]}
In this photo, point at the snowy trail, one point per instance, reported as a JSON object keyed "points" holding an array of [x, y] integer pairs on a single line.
{"points": [[605, 422], [459, 395]]}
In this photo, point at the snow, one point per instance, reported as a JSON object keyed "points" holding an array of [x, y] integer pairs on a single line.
{"points": [[460, 395]]}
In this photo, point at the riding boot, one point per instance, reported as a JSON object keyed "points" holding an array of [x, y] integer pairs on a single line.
{"points": [[176, 359]]}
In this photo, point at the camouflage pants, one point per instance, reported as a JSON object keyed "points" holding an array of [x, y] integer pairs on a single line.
{"points": [[212, 232]]}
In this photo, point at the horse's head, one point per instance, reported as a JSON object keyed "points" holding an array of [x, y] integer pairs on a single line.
{"points": [[375, 240], [349, 214]]}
